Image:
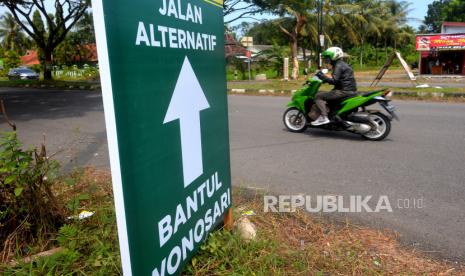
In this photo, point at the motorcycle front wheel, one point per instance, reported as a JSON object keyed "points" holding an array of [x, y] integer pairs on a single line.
{"points": [[295, 120]]}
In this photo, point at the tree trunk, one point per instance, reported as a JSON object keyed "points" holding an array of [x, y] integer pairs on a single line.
{"points": [[295, 61], [305, 60], [385, 49], [362, 46], [48, 65]]}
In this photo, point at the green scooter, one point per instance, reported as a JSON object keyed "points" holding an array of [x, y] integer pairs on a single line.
{"points": [[347, 114]]}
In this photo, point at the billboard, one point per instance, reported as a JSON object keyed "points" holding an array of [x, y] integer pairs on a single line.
{"points": [[440, 42]]}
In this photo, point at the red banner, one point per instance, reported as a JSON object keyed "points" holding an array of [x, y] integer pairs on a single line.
{"points": [[440, 42]]}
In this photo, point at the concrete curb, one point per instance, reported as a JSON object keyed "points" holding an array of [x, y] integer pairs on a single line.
{"points": [[409, 94]]}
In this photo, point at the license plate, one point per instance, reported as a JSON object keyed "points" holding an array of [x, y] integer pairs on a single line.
{"points": [[391, 109]]}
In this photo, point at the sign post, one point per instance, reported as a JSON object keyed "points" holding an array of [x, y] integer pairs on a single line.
{"points": [[164, 90]]}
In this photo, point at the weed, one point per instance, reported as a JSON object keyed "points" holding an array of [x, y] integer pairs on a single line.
{"points": [[29, 211]]}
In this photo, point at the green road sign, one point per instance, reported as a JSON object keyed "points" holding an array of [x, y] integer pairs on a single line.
{"points": [[164, 89]]}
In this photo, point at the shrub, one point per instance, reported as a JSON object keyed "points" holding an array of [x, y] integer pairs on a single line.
{"points": [[11, 60], [29, 210]]}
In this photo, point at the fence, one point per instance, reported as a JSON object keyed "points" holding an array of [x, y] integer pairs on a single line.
{"points": [[75, 72]]}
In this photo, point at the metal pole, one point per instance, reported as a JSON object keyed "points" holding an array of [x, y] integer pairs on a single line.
{"points": [[250, 61], [320, 30], [318, 38]]}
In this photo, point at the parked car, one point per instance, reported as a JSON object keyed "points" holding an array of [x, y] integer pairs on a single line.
{"points": [[23, 74]]}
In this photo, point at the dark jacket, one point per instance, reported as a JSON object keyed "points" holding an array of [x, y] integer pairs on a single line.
{"points": [[342, 77]]}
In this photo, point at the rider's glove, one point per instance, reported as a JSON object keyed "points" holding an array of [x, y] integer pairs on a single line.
{"points": [[321, 76]]}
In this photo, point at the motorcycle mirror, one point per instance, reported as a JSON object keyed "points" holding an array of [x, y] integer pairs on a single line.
{"points": [[325, 71]]}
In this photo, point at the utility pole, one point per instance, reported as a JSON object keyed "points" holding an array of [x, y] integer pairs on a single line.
{"points": [[321, 43]]}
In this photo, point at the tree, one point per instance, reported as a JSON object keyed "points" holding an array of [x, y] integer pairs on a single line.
{"points": [[294, 15], [276, 55], [454, 11], [240, 9], [75, 48], [267, 33], [443, 10], [67, 14], [434, 18], [367, 20], [11, 34], [293, 34], [84, 29], [11, 60]]}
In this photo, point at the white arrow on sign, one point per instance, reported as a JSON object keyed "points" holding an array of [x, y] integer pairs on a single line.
{"points": [[186, 103]]}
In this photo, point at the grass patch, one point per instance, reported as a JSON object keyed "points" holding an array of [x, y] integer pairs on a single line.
{"points": [[286, 244], [88, 246], [300, 244], [46, 83]]}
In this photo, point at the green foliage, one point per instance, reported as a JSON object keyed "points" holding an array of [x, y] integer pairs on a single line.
{"points": [[37, 68], [74, 49], [67, 13], [38, 23], [90, 246], [275, 56], [443, 10], [28, 208], [226, 253], [84, 29], [267, 33], [11, 60], [364, 28], [11, 34]]}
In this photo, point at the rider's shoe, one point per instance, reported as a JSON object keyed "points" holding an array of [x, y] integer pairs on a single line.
{"points": [[322, 120]]}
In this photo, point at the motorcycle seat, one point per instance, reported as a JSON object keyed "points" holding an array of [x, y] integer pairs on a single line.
{"points": [[342, 99], [368, 94]]}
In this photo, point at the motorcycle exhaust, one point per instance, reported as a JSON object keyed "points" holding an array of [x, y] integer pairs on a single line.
{"points": [[359, 117], [358, 127]]}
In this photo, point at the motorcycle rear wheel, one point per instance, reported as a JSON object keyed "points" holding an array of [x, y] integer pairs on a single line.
{"points": [[295, 120], [382, 127]]}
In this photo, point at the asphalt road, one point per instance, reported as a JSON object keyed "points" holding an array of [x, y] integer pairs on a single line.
{"points": [[423, 158], [70, 122]]}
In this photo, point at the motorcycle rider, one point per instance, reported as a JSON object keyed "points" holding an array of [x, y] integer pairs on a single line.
{"points": [[342, 79]]}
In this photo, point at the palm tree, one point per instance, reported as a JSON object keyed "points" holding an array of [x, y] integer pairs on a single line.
{"points": [[366, 19], [399, 11], [394, 21], [11, 33], [339, 24], [338, 28]]}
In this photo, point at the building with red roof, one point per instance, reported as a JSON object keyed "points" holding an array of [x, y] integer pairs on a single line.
{"points": [[30, 58], [90, 56]]}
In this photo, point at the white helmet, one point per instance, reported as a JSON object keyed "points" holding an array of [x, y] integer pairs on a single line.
{"points": [[333, 53]]}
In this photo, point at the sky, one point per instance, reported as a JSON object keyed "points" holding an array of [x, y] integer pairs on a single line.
{"points": [[417, 14]]}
